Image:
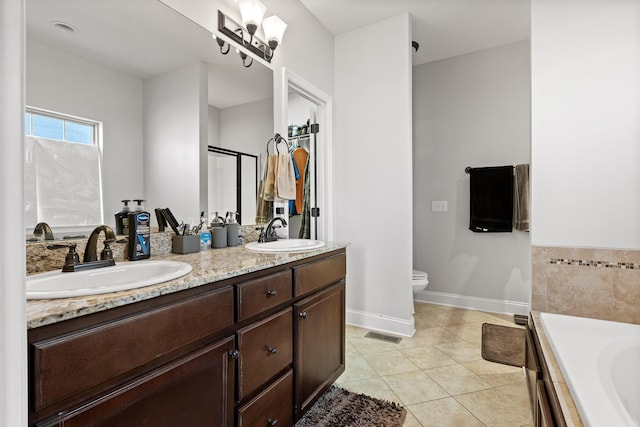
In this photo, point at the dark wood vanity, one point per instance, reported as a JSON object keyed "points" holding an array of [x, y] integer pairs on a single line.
{"points": [[252, 350]]}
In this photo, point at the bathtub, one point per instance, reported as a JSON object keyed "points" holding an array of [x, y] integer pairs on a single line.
{"points": [[600, 361]]}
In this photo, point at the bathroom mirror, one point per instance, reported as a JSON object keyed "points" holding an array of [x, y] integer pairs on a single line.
{"points": [[97, 60]]}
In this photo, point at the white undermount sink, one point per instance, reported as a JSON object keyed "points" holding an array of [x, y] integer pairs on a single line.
{"points": [[285, 245], [120, 277]]}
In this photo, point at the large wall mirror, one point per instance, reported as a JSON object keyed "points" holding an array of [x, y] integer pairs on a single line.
{"points": [[97, 60]]}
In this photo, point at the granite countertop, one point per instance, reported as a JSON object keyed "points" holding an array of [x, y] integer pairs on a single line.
{"points": [[569, 410], [208, 266]]}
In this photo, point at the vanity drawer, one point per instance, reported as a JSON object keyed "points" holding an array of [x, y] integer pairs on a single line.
{"points": [[315, 275], [266, 348], [256, 296], [75, 362], [274, 406]]}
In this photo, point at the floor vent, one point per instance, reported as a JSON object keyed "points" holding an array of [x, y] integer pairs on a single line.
{"points": [[383, 337]]}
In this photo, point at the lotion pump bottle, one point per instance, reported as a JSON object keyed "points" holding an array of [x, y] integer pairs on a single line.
{"points": [[139, 233], [122, 218]]}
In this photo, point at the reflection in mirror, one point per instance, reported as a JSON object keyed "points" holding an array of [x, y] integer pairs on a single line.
{"points": [[107, 71]]}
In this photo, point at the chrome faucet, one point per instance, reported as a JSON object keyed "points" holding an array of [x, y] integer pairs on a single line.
{"points": [[91, 250], [269, 234], [43, 228]]}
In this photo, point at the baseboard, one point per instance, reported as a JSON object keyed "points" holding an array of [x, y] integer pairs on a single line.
{"points": [[380, 323], [476, 303]]}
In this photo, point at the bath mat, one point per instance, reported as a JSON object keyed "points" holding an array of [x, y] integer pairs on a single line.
{"points": [[341, 408], [503, 344]]}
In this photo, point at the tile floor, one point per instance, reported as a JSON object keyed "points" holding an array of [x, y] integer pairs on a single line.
{"points": [[439, 374]]}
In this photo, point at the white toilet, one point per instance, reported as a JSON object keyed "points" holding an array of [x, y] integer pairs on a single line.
{"points": [[420, 281]]}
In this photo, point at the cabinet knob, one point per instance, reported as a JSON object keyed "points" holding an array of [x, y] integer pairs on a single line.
{"points": [[272, 350], [272, 293], [234, 354], [272, 421], [303, 314]]}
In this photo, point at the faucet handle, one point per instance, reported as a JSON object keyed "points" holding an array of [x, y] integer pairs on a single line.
{"points": [[106, 252], [72, 257], [262, 235]]}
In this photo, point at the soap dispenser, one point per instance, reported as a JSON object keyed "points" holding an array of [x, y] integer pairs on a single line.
{"points": [[122, 218], [139, 233], [232, 229]]}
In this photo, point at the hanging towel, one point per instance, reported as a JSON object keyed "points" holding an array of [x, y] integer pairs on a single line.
{"points": [[270, 177], [285, 185], [305, 224], [521, 198], [491, 199], [264, 203], [301, 157]]}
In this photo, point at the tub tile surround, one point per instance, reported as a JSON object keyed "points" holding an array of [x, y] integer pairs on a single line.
{"points": [[588, 282]]}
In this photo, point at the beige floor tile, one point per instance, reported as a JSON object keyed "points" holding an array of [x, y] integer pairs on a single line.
{"points": [[350, 350], [390, 362], [461, 351], [425, 307], [496, 374], [410, 342], [443, 413], [518, 392], [356, 368], [469, 331], [354, 331], [423, 321], [456, 379], [435, 336], [374, 387], [495, 408], [447, 318], [414, 387], [427, 357], [371, 345], [410, 421]]}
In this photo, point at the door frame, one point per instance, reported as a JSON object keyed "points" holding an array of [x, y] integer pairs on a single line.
{"points": [[285, 80]]}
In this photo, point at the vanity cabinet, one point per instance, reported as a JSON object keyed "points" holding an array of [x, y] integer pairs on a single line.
{"points": [[252, 350], [320, 351], [545, 405]]}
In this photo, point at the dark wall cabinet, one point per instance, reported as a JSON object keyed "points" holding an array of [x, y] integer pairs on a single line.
{"points": [[255, 350], [545, 405]]}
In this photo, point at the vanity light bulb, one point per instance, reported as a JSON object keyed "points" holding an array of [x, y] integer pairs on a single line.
{"points": [[252, 12], [274, 29]]}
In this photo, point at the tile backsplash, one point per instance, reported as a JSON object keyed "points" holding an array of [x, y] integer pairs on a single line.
{"points": [[587, 282]]}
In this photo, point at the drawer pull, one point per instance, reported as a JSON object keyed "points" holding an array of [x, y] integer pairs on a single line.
{"points": [[234, 354], [303, 314], [272, 350], [272, 421], [272, 293]]}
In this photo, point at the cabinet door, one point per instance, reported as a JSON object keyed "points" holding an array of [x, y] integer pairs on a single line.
{"points": [[319, 345], [196, 390]]}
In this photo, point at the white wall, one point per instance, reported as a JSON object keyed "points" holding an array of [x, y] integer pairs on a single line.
{"points": [[247, 127], [470, 110], [13, 333], [62, 82], [174, 140], [372, 155], [585, 123]]}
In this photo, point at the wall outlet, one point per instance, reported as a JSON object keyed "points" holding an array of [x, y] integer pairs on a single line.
{"points": [[439, 206]]}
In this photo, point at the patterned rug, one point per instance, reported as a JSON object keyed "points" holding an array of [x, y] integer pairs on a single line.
{"points": [[341, 408]]}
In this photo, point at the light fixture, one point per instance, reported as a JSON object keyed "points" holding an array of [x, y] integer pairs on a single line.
{"points": [[252, 12], [244, 58]]}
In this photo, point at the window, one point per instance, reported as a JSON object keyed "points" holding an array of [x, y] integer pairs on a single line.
{"points": [[63, 183], [60, 127]]}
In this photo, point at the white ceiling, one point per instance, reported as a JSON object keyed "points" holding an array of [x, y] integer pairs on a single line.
{"points": [[443, 28]]}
